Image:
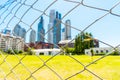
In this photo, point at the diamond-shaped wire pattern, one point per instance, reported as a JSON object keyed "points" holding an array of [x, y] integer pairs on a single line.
{"points": [[27, 13]]}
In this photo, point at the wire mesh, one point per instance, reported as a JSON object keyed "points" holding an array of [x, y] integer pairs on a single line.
{"points": [[27, 13]]}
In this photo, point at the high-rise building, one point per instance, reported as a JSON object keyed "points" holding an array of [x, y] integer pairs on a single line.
{"points": [[22, 33], [41, 30], [57, 29], [68, 30], [63, 33], [54, 27], [19, 31], [50, 33], [16, 30], [33, 36], [7, 31], [52, 16], [50, 26]]}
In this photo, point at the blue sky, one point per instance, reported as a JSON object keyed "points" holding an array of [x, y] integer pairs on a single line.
{"points": [[106, 29]]}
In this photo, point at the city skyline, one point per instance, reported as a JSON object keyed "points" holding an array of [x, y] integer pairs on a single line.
{"points": [[81, 17], [54, 35]]}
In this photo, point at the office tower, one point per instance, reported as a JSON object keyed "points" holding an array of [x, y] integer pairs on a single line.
{"points": [[54, 27], [63, 34], [68, 30], [57, 29], [50, 33], [16, 30], [33, 36], [52, 16], [41, 30], [7, 31], [19, 31], [50, 26], [22, 33]]}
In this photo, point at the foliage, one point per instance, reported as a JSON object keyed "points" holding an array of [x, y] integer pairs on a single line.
{"points": [[9, 51], [115, 53], [83, 41], [20, 51], [16, 51], [92, 52], [30, 52], [69, 50]]}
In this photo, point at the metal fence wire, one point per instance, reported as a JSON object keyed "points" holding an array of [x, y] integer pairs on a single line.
{"points": [[27, 13]]}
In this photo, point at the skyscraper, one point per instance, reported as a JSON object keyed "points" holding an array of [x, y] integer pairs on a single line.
{"points": [[16, 30], [41, 30], [50, 26], [19, 31], [6, 31], [22, 33], [57, 29], [68, 30], [52, 16], [54, 27], [63, 33], [33, 36]]}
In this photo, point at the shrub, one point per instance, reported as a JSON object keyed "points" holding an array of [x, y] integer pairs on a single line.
{"points": [[30, 53], [69, 50], [9, 51], [16, 51], [115, 53], [20, 51]]}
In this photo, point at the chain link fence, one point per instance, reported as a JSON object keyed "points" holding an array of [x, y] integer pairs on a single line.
{"points": [[27, 14]]}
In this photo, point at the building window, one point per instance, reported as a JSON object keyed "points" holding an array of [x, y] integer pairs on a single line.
{"points": [[101, 51], [97, 51], [41, 53], [107, 51]]}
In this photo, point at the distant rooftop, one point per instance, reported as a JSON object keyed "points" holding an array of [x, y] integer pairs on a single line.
{"points": [[66, 41]]}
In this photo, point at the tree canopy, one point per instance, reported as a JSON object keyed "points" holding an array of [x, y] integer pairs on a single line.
{"points": [[83, 41]]}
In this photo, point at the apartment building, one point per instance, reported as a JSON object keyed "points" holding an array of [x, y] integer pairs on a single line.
{"points": [[11, 42]]}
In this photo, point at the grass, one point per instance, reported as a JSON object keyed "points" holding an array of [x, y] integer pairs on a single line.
{"points": [[107, 68]]}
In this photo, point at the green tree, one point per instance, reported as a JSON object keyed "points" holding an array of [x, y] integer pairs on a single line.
{"points": [[83, 41]]}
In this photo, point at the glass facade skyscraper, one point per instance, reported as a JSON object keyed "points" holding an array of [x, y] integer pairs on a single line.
{"points": [[54, 27], [16, 30], [63, 33], [68, 30], [7, 31], [19, 31], [22, 33], [57, 29], [41, 30], [50, 26], [33, 36]]}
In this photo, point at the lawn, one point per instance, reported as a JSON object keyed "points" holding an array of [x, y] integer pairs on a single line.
{"points": [[107, 68]]}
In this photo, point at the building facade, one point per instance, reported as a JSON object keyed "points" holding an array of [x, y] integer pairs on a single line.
{"points": [[50, 26], [54, 28], [11, 42], [32, 36], [41, 30], [63, 34], [16, 30], [105, 50], [57, 29], [6, 31], [68, 30], [19, 31], [22, 33]]}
